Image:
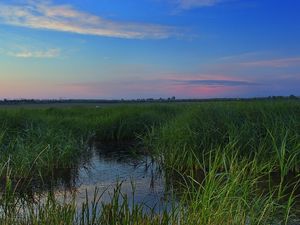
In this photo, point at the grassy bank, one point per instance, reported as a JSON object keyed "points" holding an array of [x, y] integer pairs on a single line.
{"points": [[33, 140], [227, 162]]}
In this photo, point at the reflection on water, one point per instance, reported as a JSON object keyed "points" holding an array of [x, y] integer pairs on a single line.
{"points": [[103, 167]]}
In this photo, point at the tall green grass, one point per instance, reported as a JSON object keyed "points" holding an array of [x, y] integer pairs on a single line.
{"points": [[227, 162], [229, 197], [268, 131], [39, 140]]}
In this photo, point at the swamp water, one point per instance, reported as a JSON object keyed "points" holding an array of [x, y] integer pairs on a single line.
{"points": [[104, 168]]}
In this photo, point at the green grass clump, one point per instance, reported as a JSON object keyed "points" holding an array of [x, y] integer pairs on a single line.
{"points": [[36, 141], [266, 130], [222, 198]]}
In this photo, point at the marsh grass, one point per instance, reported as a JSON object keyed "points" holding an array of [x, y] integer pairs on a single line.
{"points": [[37, 141], [228, 197], [226, 162]]}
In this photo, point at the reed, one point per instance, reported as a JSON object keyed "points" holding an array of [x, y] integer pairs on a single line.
{"points": [[226, 162]]}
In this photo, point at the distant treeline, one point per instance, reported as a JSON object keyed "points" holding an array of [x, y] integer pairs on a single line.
{"points": [[104, 101]]}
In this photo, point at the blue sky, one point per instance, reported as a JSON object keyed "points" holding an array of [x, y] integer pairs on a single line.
{"points": [[149, 48]]}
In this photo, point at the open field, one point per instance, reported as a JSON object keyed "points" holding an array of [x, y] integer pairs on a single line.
{"points": [[225, 162]]}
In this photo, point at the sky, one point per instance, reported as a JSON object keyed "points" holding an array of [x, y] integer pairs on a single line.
{"points": [[113, 49]]}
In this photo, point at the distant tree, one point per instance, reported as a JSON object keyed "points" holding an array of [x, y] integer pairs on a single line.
{"points": [[292, 97]]}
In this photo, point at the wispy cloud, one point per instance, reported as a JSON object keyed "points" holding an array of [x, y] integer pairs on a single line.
{"points": [[46, 15], [244, 55], [50, 53], [254, 65], [216, 83], [276, 63], [189, 4], [166, 86]]}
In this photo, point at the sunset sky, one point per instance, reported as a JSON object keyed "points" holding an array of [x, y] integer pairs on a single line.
{"points": [[111, 49]]}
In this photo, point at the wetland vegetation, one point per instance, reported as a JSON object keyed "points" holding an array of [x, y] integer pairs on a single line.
{"points": [[220, 162]]}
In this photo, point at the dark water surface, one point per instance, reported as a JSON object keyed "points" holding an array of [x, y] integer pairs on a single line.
{"points": [[104, 167]]}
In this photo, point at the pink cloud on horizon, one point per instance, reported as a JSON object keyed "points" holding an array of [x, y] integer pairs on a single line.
{"points": [[201, 92], [189, 86], [163, 87], [40, 90]]}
